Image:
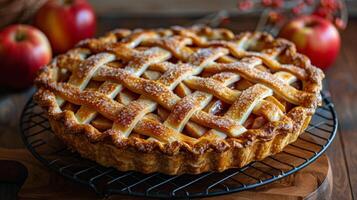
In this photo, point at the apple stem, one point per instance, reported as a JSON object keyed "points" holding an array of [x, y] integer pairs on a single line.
{"points": [[311, 24], [67, 2], [20, 36]]}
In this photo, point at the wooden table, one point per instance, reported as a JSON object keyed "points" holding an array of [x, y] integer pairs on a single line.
{"points": [[340, 81]]}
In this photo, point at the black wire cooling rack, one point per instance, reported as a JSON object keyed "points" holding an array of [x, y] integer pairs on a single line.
{"points": [[39, 139]]}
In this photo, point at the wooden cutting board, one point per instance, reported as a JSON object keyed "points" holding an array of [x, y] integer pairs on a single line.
{"points": [[313, 182]]}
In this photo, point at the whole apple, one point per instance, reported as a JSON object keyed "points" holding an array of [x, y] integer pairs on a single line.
{"points": [[66, 22], [315, 37], [23, 50]]}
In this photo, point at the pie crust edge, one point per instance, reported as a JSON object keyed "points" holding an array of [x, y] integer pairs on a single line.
{"points": [[184, 162]]}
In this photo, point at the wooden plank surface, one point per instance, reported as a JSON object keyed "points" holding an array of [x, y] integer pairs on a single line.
{"points": [[340, 78], [342, 83]]}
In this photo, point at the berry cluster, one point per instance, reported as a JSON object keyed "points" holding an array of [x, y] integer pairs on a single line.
{"points": [[332, 10]]}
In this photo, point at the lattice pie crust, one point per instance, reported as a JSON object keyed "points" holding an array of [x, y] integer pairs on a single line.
{"points": [[179, 100]]}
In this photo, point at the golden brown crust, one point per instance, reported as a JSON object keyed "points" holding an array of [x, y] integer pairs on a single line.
{"points": [[134, 158], [212, 62]]}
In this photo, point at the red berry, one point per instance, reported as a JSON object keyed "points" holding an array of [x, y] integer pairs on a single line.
{"points": [[331, 4], [298, 8], [277, 3], [274, 17], [245, 5], [340, 23]]}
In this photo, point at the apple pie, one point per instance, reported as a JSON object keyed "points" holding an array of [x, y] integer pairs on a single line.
{"points": [[179, 100]]}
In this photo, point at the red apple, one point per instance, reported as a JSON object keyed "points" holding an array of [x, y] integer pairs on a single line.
{"points": [[66, 22], [23, 50], [315, 37]]}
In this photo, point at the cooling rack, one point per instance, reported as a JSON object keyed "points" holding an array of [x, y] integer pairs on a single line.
{"points": [[42, 143]]}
